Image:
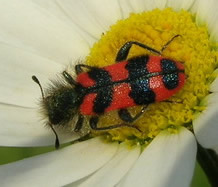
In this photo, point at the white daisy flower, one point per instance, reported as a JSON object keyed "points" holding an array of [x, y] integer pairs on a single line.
{"points": [[43, 37]]}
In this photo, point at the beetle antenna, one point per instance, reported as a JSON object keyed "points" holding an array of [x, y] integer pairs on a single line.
{"points": [[57, 142], [36, 80]]}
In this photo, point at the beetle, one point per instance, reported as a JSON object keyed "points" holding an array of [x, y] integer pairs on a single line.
{"points": [[140, 80]]}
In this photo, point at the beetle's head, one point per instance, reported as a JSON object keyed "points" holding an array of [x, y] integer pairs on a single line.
{"points": [[60, 105]]}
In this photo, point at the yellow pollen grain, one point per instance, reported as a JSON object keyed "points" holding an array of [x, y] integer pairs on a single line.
{"points": [[193, 49]]}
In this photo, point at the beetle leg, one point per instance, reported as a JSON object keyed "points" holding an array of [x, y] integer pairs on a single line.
{"points": [[94, 122], [78, 68], [69, 78], [166, 45], [79, 123], [124, 50], [126, 116]]}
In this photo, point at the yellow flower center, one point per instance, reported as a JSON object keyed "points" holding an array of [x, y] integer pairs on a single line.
{"points": [[193, 49]]}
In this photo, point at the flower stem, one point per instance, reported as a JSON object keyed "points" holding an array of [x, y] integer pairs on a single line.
{"points": [[208, 159]]}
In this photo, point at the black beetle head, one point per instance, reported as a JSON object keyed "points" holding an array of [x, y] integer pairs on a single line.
{"points": [[61, 106]]}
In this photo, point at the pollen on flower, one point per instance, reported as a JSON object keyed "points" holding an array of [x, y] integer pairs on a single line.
{"points": [[193, 49]]}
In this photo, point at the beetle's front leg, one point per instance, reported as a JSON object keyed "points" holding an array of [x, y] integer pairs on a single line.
{"points": [[78, 68], [69, 78], [124, 50]]}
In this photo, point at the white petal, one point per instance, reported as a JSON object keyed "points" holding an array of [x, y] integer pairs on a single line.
{"points": [[17, 68], [138, 5], [126, 8], [93, 17], [207, 14], [214, 85], [216, 149], [202, 9], [53, 7], [211, 99], [60, 167], [161, 4], [214, 29], [167, 162], [26, 25], [180, 4], [21, 127], [115, 169], [206, 128], [135, 6]]}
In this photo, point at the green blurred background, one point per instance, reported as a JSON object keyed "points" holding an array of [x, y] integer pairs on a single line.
{"points": [[12, 154]]}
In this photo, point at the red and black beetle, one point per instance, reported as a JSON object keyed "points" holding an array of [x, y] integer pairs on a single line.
{"points": [[140, 80]]}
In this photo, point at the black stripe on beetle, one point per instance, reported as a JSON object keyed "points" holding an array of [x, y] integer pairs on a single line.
{"points": [[140, 93], [170, 74], [104, 93]]}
